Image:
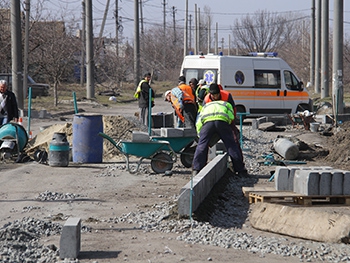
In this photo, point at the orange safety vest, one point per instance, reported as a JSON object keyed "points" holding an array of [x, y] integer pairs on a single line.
{"points": [[188, 96], [224, 95]]}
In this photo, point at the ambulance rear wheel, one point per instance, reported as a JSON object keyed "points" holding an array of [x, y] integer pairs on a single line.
{"points": [[239, 109]]}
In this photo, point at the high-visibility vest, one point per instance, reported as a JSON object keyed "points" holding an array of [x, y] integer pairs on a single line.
{"points": [[224, 95], [138, 89], [188, 96], [215, 111]]}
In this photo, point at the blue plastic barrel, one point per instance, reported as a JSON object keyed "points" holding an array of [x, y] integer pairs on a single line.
{"points": [[87, 146]]}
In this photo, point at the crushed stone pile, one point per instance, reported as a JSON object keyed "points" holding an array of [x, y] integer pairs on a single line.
{"points": [[19, 241]]}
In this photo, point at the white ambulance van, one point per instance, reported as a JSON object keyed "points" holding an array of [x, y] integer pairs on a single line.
{"points": [[260, 85]]}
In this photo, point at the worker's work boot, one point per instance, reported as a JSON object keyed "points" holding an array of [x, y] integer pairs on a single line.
{"points": [[243, 173]]}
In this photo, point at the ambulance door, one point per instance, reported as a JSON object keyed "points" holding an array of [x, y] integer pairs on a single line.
{"points": [[268, 95], [293, 92]]}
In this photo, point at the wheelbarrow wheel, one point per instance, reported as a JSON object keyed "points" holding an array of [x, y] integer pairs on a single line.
{"points": [[161, 162], [187, 154]]}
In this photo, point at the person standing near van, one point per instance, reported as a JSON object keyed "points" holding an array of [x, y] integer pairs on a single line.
{"points": [[142, 94], [215, 119], [8, 104]]}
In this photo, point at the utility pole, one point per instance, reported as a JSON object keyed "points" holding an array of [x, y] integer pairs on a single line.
{"points": [[190, 34], [141, 17], [104, 20], [338, 25], [216, 39], [90, 86], [174, 24], [325, 50], [229, 45], [222, 45], [136, 44], [164, 29], [312, 44], [16, 52], [116, 16], [318, 49], [198, 30], [209, 37], [195, 30], [186, 30], [83, 39], [103, 24], [26, 48]]}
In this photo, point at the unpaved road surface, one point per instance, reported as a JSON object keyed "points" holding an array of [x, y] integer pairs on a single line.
{"points": [[105, 197]]}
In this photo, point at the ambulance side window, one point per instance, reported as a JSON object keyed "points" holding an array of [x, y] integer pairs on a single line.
{"points": [[269, 79], [291, 81], [209, 75]]}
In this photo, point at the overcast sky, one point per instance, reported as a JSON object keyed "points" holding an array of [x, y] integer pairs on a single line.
{"points": [[224, 12]]}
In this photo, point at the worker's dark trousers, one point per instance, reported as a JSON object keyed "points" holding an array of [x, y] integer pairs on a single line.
{"points": [[224, 130], [190, 114]]}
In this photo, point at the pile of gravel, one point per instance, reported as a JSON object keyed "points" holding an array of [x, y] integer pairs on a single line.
{"points": [[53, 196], [197, 232], [19, 241]]}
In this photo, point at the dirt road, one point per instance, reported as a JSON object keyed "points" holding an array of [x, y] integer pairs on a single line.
{"points": [[104, 196]]}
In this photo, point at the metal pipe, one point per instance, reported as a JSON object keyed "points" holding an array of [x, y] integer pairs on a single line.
{"points": [[75, 103], [29, 109]]}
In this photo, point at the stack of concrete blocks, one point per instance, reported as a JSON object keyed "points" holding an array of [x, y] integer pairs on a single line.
{"points": [[310, 181], [70, 238], [177, 132], [139, 136]]}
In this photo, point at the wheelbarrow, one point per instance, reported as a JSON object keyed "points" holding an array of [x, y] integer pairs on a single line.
{"points": [[160, 153], [180, 145]]}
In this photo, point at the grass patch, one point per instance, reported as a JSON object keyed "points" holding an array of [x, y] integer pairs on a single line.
{"points": [[65, 95]]}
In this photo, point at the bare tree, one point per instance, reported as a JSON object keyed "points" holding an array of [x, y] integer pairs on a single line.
{"points": [[264, 31], [53, 52], [206, 22], [154, 46], [5, 37], [116, 67]]}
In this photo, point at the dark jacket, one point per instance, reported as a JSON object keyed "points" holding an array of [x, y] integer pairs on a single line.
{"points": [[144, 95], [11, 105]]}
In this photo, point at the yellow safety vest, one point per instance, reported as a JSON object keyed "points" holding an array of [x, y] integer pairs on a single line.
{"points": [[138, 89], [215, 111]]}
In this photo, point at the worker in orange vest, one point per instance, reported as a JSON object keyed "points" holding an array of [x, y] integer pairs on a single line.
{"points": [[183, 101]]}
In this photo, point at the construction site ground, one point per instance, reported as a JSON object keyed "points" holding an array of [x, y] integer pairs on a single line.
{"points": [[102, 196]]}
